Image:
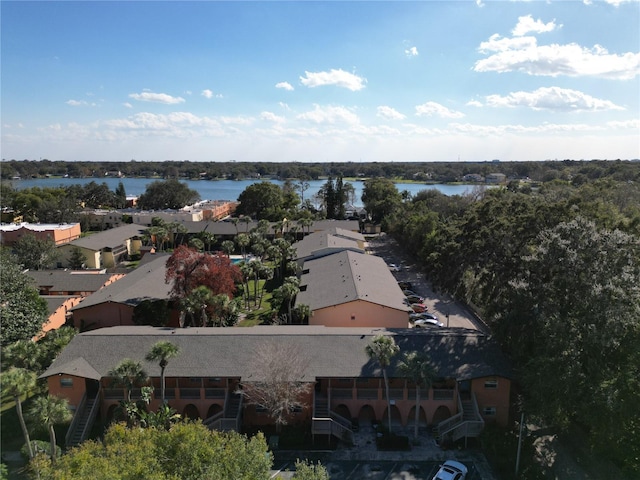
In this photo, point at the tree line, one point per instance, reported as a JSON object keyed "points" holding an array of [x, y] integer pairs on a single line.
{"points": [[439, 172], [555, 274]]}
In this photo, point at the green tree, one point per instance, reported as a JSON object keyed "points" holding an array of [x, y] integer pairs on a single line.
{"points": [[198, 305], [152, 312], [162, 351], [380, 198], [77, 259], [35, 254], [128, 374], [306, 470], [121, 196], [186, 451], [228, 247], [18, 383], [418, 368], [160, 195], [262, 200], [50, 411], [382, 349], [22, 311]]}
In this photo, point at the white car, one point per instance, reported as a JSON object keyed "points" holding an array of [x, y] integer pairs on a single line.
{"points": [[427, 322], [393, 267], [451, 470]]}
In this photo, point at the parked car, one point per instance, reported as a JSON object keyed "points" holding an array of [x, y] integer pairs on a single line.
{"points": [[422, 315], [451, 470], [415, 299], [418, 307], [405, 285], [393, 267], [408, 291], [427, 322]]}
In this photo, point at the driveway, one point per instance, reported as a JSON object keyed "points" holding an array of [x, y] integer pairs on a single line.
{"points": [[449, 312]]}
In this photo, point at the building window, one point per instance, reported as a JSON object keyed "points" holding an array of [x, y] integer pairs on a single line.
{"points": [[66, 382], [492, 384], [260, 409], [489, 411]]}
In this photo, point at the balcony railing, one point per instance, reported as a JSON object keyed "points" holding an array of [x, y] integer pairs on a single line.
{"points": [[191, 393], [443, 393], [367, 394], [343, 393]]}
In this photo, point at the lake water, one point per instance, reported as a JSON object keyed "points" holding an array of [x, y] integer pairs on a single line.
{"points": [[225, 189]]}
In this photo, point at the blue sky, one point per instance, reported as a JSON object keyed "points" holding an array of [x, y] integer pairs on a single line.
{"points": [[320, 81]]}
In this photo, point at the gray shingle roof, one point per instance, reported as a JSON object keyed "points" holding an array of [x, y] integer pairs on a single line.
{"points": [[111, 238], [68, 281], [312, 245], [144, 283], [229, 352], [348, 276], [55, 301]]}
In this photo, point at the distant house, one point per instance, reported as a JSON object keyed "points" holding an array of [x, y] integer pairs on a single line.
{"points": [[59, 234], [473, 177], [106, 249], [472, 387], [115, 303], [349, 289], [495, 178]]}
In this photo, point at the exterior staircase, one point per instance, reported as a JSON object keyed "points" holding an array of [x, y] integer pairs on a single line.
{"points": [[82, 421], [326, 422], [466, 423], [229, 417]]}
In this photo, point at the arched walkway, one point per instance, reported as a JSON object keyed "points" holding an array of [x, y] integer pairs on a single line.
{"points": [[422, 417], [441, 413], [366, 416], [113, 414], [214, 409], [396, 418], [343, 411], [191, 411]]}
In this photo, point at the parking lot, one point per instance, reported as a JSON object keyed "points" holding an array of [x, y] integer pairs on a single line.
{"points": [[376, 470], [448, 311]]}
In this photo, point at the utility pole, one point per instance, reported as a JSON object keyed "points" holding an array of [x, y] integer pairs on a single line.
{"points": [[519, 443]]}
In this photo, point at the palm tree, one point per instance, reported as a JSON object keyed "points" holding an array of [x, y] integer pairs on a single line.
{"points": [[128, 374], [18, 382], [243, 240], [50, 411], [162, 351], [381, 349], [228, 247], [290, 289], [196, 305], [418, 368]]}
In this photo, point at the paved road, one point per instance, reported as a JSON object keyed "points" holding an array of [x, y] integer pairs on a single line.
{"points": [[449, 312]]}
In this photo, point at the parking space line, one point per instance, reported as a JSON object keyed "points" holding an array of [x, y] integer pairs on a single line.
{"points": [[393, 468], [353, 471]]}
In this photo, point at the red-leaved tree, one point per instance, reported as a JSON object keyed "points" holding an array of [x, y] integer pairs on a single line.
{"points": [[188, 269]]}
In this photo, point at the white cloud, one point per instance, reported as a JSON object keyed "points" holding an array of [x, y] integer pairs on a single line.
{"points": [[523, 54], [330, 115], [480, 3], [147, 96], [552, 98], [272, 117], [411, 52], [127, 104], [284, 106], [206, 93], [337, 77], [432, 108], [474, 103], [80, 103], [389, 113], [527, 24], [617, 3], [285, 85]]}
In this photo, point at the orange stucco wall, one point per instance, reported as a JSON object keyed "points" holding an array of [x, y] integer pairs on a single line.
{"points": [[73, 393], [60, 235], [360, 314], [103, 315], [493, 397]]}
